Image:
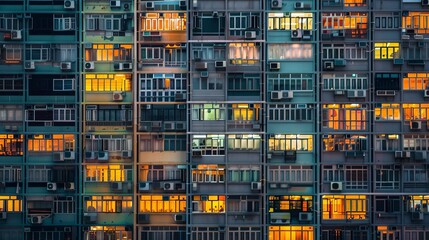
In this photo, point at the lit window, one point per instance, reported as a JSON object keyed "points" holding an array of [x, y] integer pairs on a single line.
{"points": [[291, 21], [290, 203], [415, 81], [279, 51], [417, 22], [290, 232], [415, 111], [354, 3], [162, 203], [208, 204], [208, 112], [290, 142], [10, 204], [344, 116], [109, 52], [352, 20], [109, 204], [107, 173], [386, 50], [418, 203], [107, 82], [387, 142], [388, 112], [209, 173], [245, 142], [163, 21], [243, 112], [49, 143], [211, 144], [342, 207], [244, 53], [344, 143]]}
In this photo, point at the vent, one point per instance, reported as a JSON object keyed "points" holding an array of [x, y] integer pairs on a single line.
{"points": [[274, 66], [51, 186], [117, 96], [89, 65], [250, 34], [276, 4], [69, 4], [336, 186]]}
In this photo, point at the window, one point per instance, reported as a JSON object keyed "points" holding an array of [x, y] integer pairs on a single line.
{"points": [[211, 144], [120, 232], [204, 233], [415, 111], [11, 145], [346, 142], [51, 143], [64, 205], [208, 173], [353, 177], [64, 22], [150, 143], [104, 22], [10, 22], [387, 81], [108, 115], [417, 21], [207, 23], [244, 53], [415, 81], [65, 53], [243, 82], [289, 142], [208, 112], [290, 232], [293, 203], [244, 142], [13, 53], [107, 82], [162, 204], [109, 204], [417, 203], [244, 233], [415, 234], [109, 52], [169, 55], [387, 176], [345, 81], [157, 112], [161, 233], [354, 3], [38, 174], [243, 204], [387, 142], [343, 51], [167, 21], [10, 113], [212, 51], [387, 112], [11, 84], [415, 174], [208, 203], [290, 21], [241, 21], [290, 81], [388, 204], [243, 173], [156, 173], [64, 115], [344, 116], [64, 84], [387, 21], [110, 143], [38, 52], [107, 173], [10, 174], [162, 87], [10, 204], [342, 207], [386, 50], [290, 112], [286, 51], [290, 174], [214, 81], [415, 142], [348, 20], [243, 112]]}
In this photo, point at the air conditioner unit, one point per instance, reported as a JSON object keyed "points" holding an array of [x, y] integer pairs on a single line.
{"points": [[117, 186], [340, 62], [127, 154], [51, 186], [182, 4], [69, 186], [398, 154], [69, 4], [274, 65], [339, 92], [29, 65], [328, 65], [425, 2], [65, 66], [150, 5], [169, 126], [415, 125], [69, 155], [181, 126], [419, 216], [299, 5], [16, 34], [250, 34], [180, 218], [276, 4], [418, 37], [123, 66], [386, 93], [204, 74], [90, 217], [287, 94], [405, 37], [90, 155], [200, 65], [426, 93], [36, 219], [58, 156], [336, 186], [115, 3], [103, 156], [220, 64], [168, 186], [180, 97], [89, 65], [197, 153], [290, 155], [305, 216], [144, 186], [296, 34], [276, 95], [3, 215], [306, 34], [280, 218], [356, 93], [255, 186], [117, 96], [273, 185], [398, 61], [284, 185], [420, 155]]}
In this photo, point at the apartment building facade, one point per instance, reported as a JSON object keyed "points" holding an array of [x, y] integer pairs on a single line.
{"points": [[214, 120]]}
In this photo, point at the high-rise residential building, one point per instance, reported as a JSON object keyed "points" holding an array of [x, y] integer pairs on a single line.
{"points": [[214, 120]]}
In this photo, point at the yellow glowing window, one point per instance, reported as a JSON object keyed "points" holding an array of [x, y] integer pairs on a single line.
{"points": [[109, 52], [386, 50], [109, 204], [105, 173], [415, 111], [288, 203], [56, 142], [208, 204], [290, 232], [208, 173], [107, 82], [163, 22], [246, 112], [387, 111], [162, 203], [293, 21], [244, 53], [417, 21], [354, 3], [415, 81], [10, 204], [11, 144], [282, 142], [344, 116], [354, 20], [342, 207]]}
